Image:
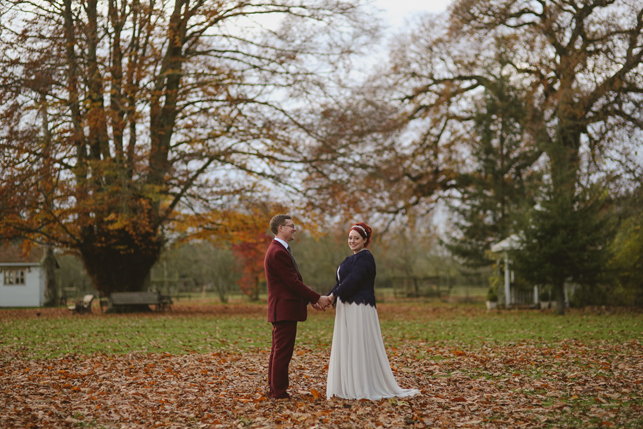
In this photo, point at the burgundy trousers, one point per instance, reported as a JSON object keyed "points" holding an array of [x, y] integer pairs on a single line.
{"points": [[283, 344]]}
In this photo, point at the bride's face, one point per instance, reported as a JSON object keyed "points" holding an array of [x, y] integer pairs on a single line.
{"points": [[355, 241]]}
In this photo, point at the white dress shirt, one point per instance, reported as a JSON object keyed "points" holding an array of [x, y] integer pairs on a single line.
{"points": [[282, 242]]}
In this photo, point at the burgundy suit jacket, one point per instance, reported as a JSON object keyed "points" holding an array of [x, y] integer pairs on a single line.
{"points": [[288, 296]]}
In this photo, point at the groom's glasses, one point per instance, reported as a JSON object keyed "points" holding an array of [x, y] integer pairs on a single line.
{"points": [[291, 226]]}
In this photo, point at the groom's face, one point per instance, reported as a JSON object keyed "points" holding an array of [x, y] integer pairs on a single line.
{"points": [[288, 230]]}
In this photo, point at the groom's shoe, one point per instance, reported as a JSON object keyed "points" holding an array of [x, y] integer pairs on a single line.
{"points": [[284, 396]]}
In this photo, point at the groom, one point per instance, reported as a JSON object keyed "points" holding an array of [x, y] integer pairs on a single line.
{"points": [[288, 297]]}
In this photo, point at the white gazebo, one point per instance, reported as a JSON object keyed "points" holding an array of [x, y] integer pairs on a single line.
{"points": [[510, 243]]}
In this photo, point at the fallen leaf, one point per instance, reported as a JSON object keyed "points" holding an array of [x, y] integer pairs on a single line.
{"points": [[315, 393]]}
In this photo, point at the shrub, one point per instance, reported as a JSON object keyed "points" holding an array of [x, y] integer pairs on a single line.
{"points": [[492, 295], [544, 295]]}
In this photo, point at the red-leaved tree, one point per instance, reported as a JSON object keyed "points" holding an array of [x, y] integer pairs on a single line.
{"points": [[251, 254]]}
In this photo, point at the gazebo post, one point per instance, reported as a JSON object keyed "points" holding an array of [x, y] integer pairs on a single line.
{"points": [[536, 295], [510, 243], [507, 282]]}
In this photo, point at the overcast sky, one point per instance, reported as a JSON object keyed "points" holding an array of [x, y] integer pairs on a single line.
{"points": [[396, 11]]}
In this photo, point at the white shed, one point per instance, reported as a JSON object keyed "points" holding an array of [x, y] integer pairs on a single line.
{"points": [[22, 278]]}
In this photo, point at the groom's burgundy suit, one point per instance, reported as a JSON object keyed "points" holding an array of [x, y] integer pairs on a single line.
{"points": [[288, 298]]}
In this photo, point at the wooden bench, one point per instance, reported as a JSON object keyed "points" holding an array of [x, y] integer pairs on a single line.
{"points": [[84, 306], [123, 299]]}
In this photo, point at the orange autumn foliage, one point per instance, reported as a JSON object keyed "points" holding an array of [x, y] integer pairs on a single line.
{"points": [[127, 124], [251, 254]]}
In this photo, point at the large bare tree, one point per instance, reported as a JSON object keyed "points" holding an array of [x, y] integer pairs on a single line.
{"points": [[122, 119], [575, 64]]}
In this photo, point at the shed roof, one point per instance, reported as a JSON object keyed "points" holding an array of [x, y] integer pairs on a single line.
{"points": [[14, 254]]}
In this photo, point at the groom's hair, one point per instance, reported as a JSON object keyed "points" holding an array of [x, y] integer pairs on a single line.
{"points": [[277, 221]]}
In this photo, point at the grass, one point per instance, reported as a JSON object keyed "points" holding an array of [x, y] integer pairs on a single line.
{"points": [[473, 326], [204, 327], [501, 368], [125, 333]]}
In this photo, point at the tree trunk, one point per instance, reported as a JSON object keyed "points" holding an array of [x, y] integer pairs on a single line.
{"points": [[559, 290], [222, 290], [564, 156], [124, 264], [254, 295], [51, 291], [223, 297]]}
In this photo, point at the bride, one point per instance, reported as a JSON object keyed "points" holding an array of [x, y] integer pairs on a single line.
{"points": [[359, 367]]}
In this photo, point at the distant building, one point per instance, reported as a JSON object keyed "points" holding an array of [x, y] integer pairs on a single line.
{"points": [[22, 278]]}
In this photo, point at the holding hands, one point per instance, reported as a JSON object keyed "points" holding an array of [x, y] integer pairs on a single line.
{"points": [[324, 302]]}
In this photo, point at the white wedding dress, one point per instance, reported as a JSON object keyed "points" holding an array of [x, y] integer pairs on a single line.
{"points": [[359, 367]]}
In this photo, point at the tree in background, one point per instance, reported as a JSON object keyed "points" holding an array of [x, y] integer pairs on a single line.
{"points": [[250, 254], [364, 159], [560, 247], [318, 254], [197, 266], [580, 68], [408, 257], [222, 271], [408, 253], [626, 251], [51, 288], [123, 119], [576, 68], [72, 279], [627, 263], [499, 183]]}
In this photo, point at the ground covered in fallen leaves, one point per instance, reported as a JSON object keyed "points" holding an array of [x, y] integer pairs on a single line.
{"points": [[529, 383]]}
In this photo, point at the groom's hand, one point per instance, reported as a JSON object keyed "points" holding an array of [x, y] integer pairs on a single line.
{"points": [[324, 302]]}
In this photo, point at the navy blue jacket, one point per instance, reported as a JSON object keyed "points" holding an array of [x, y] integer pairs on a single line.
{"points": [[356, 279]]}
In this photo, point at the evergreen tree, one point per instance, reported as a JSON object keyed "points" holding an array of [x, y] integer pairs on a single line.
{"points": [[502, 180], [626, 251], [566, 246]]}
